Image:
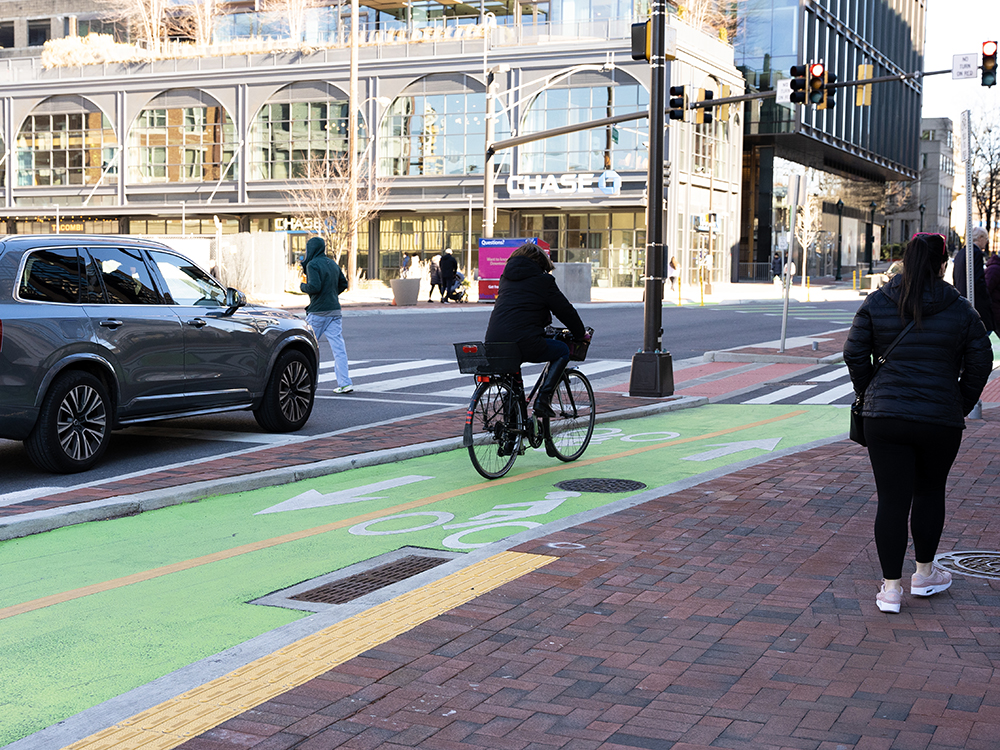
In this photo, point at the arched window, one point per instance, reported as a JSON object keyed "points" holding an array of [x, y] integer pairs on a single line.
{"points": [[183, 135], [580, 97], [437, 126], [66, 140], [302, 123]]}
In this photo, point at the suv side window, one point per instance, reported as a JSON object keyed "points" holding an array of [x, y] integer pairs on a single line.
{"points": [[51, 276], [126, 279], [186, 283]]}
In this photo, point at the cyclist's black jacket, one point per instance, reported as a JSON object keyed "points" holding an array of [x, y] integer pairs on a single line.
{"points": [[526, 300], [937, 371]]}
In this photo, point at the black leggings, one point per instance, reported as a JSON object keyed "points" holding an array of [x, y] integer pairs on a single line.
{"points": [[911, 461]]}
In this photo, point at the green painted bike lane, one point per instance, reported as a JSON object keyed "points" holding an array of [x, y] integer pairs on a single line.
{"points": [[91, 611]]}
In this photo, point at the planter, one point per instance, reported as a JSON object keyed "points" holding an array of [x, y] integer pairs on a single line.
{"points": [[405, 291]]}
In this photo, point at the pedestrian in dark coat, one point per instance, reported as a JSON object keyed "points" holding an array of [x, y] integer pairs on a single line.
{"points": [[776, 266], [526, 300], [324, 284], [993, 288], [914, 406], [449, 268], [435, 278], [980, 243]]}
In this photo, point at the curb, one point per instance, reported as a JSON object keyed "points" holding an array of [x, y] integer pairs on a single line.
{"points": [[129, 505], [830, 359]]}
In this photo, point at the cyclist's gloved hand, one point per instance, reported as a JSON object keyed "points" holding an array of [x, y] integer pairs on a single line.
{"points": [[586, 338]]}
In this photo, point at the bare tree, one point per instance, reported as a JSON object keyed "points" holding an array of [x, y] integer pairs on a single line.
{"points": [[986, 167], [712, 16], [321, 202], [193, 20], [296, 14], [145, 19]]}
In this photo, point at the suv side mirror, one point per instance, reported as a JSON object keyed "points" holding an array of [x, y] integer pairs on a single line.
{"points": [[235, 299]]}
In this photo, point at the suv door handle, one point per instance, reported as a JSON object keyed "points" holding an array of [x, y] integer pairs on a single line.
{"points": [[197, 323], [110, 323]]}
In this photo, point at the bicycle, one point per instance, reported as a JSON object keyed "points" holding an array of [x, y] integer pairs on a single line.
{"points": [[498, 425]]}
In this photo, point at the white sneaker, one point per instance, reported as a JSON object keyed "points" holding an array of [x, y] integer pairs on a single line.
{"points": [[344, 389]]}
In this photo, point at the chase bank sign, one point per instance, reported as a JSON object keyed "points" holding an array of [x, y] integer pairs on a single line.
{"points": [[608, 182]]}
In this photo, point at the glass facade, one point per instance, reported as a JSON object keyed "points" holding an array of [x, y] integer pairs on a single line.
{"points": [[67, 140], [583, 96], [436, 126], [182, 136], [304, 123]]}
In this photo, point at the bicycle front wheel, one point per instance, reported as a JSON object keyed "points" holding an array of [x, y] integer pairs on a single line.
{"points": [[568, 434], [496, 429]]}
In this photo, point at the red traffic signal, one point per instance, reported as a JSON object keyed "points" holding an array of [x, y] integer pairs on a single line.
{"points": [[817, 80], [989, 77]]}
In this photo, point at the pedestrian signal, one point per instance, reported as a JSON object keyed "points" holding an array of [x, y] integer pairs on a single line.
{"points": [[642, 40], [989, 64]]}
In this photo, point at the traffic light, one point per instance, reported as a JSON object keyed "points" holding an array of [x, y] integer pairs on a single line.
{"points": [[989, 64], [829, 94], [817, 79], [642, 40], [678, 102], [798, 84], [703, 115]]}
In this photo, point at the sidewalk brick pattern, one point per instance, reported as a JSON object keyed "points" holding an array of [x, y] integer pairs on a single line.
{"points": [[738, 613]]}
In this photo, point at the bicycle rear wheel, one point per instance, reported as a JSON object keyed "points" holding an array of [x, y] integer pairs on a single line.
{"points": [[496, 429], [568, 434]]}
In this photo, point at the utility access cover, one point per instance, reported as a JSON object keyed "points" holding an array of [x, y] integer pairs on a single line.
{"points": [[977, 563], [360, 584], [600, 485]]}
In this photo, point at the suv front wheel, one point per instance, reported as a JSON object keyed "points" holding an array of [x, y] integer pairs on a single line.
{"points": [[73, 428], [288, 397]]}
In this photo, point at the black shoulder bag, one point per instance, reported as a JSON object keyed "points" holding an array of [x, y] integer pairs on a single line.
{"points": [[857, 433]]}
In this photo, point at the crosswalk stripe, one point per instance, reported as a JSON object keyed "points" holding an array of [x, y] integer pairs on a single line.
{"points": [[778, 395], [832, 375], [831, 395], [382, 369]]}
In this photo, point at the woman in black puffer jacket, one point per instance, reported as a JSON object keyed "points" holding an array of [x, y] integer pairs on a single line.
{"points": [[915, 406], [526, 300]]}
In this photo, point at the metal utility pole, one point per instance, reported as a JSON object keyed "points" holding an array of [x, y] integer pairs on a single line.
{"points": [[970, 284], [652, 368]]}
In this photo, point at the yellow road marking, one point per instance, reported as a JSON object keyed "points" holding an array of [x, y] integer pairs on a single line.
{"points": [[148, 575], [175, 721]]}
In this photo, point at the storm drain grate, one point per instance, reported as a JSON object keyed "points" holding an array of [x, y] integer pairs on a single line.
{"points": [[358, 585], [977, 564], [600, 485]]}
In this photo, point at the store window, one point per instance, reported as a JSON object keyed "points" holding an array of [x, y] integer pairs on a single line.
{"points": [[580, 97], [437, 126], [67, 140], [303, 124], [182, 136]]}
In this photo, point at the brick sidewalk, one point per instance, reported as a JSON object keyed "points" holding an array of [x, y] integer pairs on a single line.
{"points": [[738, 613]]}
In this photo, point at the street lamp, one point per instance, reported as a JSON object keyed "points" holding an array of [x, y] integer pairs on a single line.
{"points": [[922, 209], [871, 239], [840, 226]]}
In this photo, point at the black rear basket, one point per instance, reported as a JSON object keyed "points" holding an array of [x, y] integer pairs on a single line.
{"points": [[477, 358]]}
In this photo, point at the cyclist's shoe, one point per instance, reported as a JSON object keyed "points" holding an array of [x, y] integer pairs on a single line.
{"points": [[543, 410]]}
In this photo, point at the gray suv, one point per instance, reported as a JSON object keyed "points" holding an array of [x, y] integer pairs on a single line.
{"points": [[100, 332]]}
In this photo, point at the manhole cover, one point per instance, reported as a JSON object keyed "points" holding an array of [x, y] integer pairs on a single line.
{"points": [[600, 485], [977, 563], [360, 584]]}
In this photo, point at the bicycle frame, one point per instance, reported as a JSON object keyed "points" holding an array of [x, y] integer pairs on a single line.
{"points": [[532, 429]]}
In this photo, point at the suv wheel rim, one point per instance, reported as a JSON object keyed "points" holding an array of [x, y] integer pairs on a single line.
{"points": [[294, 391], [81, 422]]}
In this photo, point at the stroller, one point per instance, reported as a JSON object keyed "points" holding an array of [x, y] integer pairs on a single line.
{"points": [[456, 292]]}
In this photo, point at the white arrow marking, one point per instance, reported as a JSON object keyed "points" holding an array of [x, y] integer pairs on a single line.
{"points": [[727, 448], [316, 499]]}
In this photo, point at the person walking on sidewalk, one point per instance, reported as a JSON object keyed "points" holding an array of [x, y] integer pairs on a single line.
{"points": [[526, 300], [435, 271], [980, 244], [915, 405], [324, 284], [449, 269], [993, 288]]}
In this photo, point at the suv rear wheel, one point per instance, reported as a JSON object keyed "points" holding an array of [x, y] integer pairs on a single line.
{"points": [[74, 425], [289, 395]]}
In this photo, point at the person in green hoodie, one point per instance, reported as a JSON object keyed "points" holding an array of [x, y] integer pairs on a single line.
{"points": [[324, 283]]}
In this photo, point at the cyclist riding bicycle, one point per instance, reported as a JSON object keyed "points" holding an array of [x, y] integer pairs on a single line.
{"points": [[526, 300]]}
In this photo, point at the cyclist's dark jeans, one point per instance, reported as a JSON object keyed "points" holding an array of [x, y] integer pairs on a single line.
{"points": [[558, 354]]}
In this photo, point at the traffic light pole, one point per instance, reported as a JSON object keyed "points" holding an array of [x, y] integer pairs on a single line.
{"points": [[652, 369]]}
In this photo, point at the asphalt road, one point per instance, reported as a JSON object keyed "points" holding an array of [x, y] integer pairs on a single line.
{"points": [[393, 347]]}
